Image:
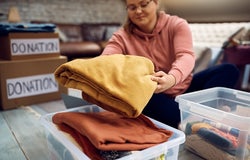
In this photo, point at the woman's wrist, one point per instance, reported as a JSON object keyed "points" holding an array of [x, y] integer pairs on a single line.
{"points": [[171, 80]]}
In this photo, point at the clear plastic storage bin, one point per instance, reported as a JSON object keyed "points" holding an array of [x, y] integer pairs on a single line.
{"points": [[216, 122], [62, 148]]}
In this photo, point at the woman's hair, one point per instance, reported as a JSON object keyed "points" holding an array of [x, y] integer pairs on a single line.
{"points": [[128, 25]]}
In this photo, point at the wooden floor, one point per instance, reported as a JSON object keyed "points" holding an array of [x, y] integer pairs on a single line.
{"points": [[22, 137]]}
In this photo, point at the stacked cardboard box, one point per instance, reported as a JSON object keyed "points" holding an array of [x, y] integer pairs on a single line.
{"points": [[27, 64]]}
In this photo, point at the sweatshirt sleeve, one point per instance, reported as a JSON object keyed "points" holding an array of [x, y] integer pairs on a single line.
{"points": [[114, 46], [184, 63]]}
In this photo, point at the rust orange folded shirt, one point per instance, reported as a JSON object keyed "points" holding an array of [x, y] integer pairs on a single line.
{"points": [[111, 131]]}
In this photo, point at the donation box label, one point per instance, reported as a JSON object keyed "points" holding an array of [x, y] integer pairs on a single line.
{"points": [[34, 46], [31, 86]]}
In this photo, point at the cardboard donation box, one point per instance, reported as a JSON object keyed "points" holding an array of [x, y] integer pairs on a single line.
{"points": [[17, 46], [25, 82]]}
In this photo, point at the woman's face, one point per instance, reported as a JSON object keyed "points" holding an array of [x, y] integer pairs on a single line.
{"points": [[143, 13]]}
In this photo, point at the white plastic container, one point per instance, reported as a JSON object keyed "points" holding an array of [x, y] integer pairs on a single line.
{"points": [[62, 148], [228, 112]]}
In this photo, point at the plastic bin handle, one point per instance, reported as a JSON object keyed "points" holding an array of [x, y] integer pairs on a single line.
{"points": [[243, 96]]}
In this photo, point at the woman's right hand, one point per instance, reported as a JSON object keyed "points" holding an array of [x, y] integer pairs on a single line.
{"points": [[164, 81]]}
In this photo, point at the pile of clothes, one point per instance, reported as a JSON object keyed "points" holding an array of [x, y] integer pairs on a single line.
{"points": [[120, 84], [214, 141], [108, 133]]}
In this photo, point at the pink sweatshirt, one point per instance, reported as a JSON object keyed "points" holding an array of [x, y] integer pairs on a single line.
{"points": [[169, 47]]}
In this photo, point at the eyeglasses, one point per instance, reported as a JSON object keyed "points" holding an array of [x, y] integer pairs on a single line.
{"points": [[142, 5]]}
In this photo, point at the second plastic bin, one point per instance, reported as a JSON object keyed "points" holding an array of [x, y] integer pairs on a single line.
{"points": [[217, 123]]}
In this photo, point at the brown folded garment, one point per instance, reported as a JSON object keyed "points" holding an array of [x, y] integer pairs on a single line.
{"points": [[118, 83], [86, 146], [110, 131]]}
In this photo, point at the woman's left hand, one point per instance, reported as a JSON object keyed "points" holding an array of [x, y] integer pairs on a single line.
{"points": [[164, 81]]}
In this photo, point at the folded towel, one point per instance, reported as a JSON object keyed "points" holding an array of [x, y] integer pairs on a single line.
{"points": [[118, 83], [110, 131]]}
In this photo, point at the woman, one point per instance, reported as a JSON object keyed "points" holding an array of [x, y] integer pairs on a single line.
{"points": [[167, 41]]}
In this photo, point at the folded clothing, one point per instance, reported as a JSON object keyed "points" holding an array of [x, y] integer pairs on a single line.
{"points": [[118, 83], [222, 140], [206, 150], [6, 28], [109, 131], [215, 139]]}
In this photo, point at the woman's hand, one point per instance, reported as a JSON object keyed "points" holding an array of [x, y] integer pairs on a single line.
{"points": [[164, 81]]}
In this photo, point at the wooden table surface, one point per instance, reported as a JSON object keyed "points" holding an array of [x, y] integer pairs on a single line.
{"points": [[23, 137]]}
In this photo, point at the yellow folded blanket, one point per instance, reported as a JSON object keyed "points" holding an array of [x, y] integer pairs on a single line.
{"points": [[118, 83]]}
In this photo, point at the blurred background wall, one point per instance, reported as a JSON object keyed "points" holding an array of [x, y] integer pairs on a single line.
{"points": [[66, 11], [78, 11], [210, 10]]}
